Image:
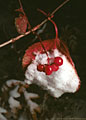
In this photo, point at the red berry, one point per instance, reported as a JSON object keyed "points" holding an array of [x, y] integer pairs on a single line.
{"points": [[40, 67], [54, 67], [58, 61], [48, 70]]}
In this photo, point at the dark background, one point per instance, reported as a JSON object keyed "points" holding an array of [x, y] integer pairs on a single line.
{"points": [[71, 21]]}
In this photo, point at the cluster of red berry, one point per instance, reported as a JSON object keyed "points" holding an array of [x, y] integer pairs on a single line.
{"points": [[48, 69]]}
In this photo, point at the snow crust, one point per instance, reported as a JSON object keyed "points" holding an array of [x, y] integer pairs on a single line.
{"points": [[59, 82]]}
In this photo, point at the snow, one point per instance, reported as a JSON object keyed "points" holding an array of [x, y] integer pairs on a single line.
{"points": [[33, 106], [14, 93], [2, 110], [59, 82], [12, 82], [2, 117], [13, 103]]}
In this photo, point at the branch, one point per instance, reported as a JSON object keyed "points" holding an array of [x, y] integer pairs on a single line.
{"points": [[34, 29]]}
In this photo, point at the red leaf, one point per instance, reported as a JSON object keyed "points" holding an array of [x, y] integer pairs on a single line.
{"points": [[21, 23], [49, 45]]}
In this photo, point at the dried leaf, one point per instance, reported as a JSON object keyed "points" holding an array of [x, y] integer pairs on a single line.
{"points": [[21, 23]]}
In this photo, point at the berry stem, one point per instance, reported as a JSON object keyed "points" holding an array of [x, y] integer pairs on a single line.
{"points": [[42, 45], [34, 32], [56, 30]]}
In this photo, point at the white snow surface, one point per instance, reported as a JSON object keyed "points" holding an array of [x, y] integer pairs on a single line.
{"points": [[59, 82]]}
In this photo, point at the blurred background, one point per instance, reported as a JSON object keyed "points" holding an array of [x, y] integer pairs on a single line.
{"points": [[71, 22]]}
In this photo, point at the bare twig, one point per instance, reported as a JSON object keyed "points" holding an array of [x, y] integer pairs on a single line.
{"points": [[59, 7], [34, 29]]}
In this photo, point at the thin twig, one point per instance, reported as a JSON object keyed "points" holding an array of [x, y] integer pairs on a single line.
{"points": [[34, 29], [59, 7]]}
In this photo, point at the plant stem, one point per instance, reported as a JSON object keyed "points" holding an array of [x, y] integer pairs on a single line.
{"points": [[33, 29], [56, 30]]}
